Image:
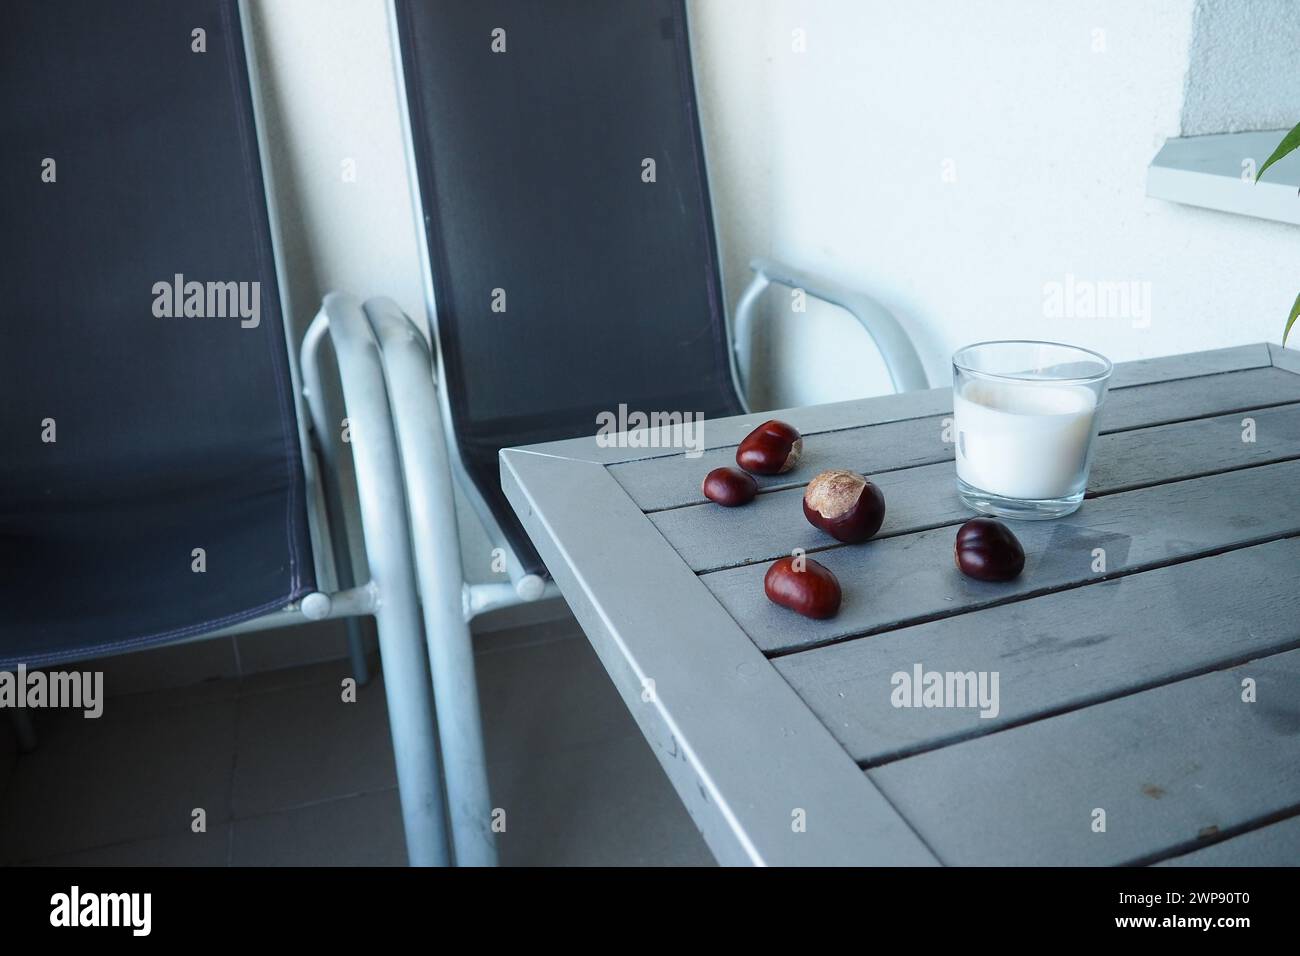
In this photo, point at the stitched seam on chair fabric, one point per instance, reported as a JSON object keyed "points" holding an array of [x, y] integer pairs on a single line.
{"points": [[162, 637], [252, 158]]}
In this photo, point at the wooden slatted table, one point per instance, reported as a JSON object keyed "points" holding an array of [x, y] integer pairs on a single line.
{"points": [[1120, 685]]}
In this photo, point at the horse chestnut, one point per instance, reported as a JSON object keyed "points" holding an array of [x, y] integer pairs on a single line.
{"points": [[988, 551], [803, 586], [845, 505], [729, 487], [772, 448]]}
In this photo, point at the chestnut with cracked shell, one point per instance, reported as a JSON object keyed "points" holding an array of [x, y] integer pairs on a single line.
{"points": [[845, 505]]}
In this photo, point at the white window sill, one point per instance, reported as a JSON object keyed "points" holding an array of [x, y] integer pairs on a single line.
{"points": [[1212, 172]]}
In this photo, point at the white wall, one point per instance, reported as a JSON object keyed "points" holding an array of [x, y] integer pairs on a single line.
{"points": [[842, 151], [1240, 73], [330, 96], [834, 159]]}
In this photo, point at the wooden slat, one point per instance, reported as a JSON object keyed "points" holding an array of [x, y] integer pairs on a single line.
{"points": [[888, 408], [1169, 766], [1277, 844], [1059, 652], [712, 538], [910, 578], [1147, 456], [723, 432], [674, 481], [1168, 368], [709, 537]]}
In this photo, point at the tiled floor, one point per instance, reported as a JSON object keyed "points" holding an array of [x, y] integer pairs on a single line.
{"points": [[287, 773]]}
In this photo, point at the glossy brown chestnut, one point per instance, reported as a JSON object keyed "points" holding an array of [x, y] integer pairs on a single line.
{"points": [[772, 448], [845, 505], [812, 592], [988, 551], [729, 487]]}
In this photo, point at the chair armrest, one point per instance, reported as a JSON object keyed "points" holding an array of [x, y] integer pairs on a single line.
{"points": [[374, 447], [387, 539], [419, 418], [435, 539], [904, 365]]}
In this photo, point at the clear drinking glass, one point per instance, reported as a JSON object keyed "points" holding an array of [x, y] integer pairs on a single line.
{"points": [[1025, 416]]}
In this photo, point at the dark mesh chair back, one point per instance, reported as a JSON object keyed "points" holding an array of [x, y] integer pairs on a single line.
{"points": [[151, 480], [570, 276]]}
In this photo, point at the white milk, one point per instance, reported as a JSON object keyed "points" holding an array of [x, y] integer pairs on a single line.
{"points": [[1025, 440]]}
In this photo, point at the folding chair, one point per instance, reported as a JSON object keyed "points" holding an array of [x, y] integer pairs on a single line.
{"points": [[562, 283], [157, 482], [565, 276]]}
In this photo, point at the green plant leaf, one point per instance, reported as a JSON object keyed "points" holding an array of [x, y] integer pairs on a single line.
{"points": [[1289, 142], [1295, 311]]}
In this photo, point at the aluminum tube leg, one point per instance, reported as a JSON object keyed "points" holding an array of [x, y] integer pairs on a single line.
{"points": [[411, 724], [327, 444], [431, 501], [357, 652], [384, 523]]}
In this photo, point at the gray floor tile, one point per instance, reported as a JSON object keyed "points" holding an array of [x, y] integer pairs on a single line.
{"points": [[291, 647], [547, 697], [8, 753], [527, 622], [607, 804], [132, 774], [175, 849], [325, 672], [303, 744], [355, 831], [161, 668], [523, 615], [308, 779], [175, 698], [8, 738]]}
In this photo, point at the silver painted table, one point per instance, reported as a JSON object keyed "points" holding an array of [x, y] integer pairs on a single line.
{"points": [[1126, 654]]}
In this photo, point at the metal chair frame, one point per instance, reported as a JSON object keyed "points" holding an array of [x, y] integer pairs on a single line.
{"points": [[406, 470]]}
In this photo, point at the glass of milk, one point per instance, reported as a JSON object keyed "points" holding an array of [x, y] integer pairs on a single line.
{"points": [[1024, 419]]}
